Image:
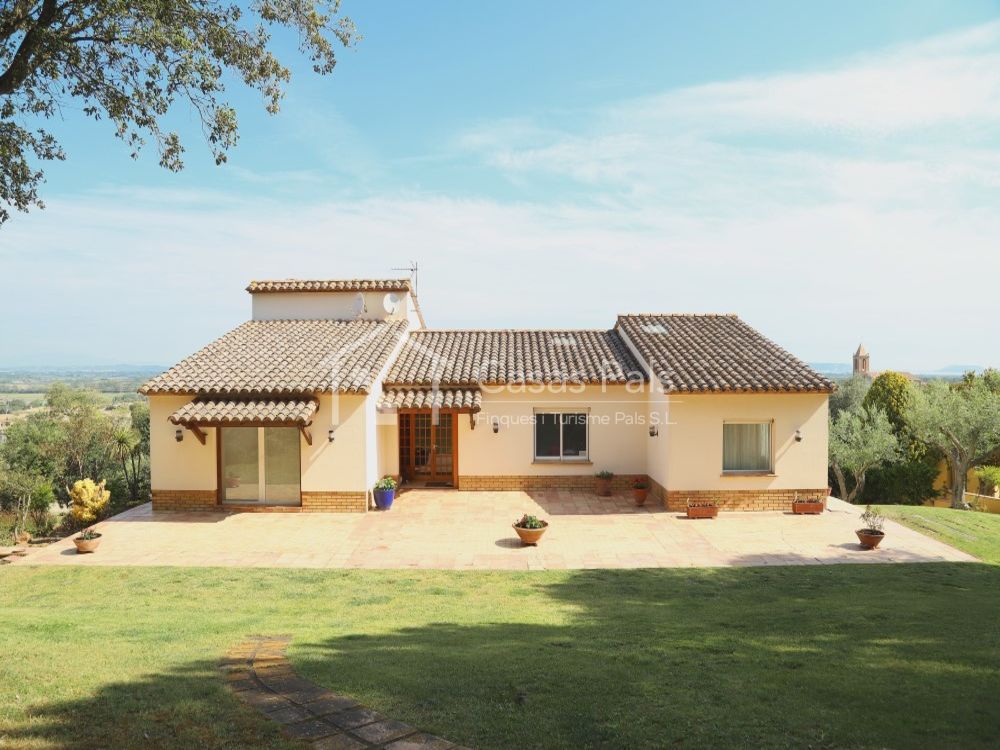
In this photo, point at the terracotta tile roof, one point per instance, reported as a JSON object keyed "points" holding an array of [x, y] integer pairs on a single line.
{"points": [[330, 285], [221, 411], [465, 399], [508, 356], [286, 358], [713, 353]]}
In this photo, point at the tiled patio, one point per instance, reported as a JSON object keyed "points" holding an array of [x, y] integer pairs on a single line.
{"points": [[448, 529]]}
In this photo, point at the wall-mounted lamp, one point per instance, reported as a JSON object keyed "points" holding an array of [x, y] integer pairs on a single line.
{"points": [[329, 434], [798, 436], [496, 425], [653, 430], [178, 434]]}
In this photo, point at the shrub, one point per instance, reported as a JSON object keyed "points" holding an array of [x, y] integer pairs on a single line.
{"points": [[605, 474], [41, 500], [386, 483], [530, 522], [640, 484], [88, 500], [872, 519], [907, 482], [989, 479]]}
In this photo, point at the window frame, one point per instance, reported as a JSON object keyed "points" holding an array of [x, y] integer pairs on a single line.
{"points": [[560, 459], [769, 471]]}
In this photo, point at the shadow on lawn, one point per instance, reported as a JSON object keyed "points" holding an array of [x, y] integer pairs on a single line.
{"points": [[189, 707], [820, 656]]}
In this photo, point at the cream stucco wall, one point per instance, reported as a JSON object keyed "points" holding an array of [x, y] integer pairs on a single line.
{"points": [[695, 440], [657, 448], [618, 433], [340, 465], [388, 445], [187, 465], [329, 306], [337, 466]]}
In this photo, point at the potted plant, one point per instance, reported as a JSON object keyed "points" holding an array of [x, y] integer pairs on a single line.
{"points": [[870, 534], [87, 541], [530, 528], [385, 492], [640, 489], [602, 480], [702, 509], [809, 506]]}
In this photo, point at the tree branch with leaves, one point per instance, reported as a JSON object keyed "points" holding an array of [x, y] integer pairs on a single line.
{"points": [[131, 61], [860, 440], [963, 422]]}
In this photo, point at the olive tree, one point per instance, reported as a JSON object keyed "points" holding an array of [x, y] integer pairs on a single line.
{"points": [[860, 440], [963, 422], [130, 61]]}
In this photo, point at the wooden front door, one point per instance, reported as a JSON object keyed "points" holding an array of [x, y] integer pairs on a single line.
{"points": [[427, 450]]}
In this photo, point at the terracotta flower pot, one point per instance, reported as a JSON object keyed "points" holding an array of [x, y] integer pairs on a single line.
{"points": [[806, 507], [603, 487], [530, 536], [86, 545], [640, 495], [870, 539], [702, 511]]}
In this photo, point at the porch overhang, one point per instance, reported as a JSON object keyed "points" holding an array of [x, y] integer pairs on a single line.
{"points": [[467, 400], [215, 412]]}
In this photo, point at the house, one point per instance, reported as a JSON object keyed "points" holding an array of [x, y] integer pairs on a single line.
{"points": [[333, 384]]}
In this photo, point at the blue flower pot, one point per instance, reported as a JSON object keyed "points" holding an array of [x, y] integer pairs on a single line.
{"points": [[384, 498]]}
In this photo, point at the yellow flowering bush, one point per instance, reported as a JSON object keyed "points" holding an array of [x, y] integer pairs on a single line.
{"points": [[88, 500]]}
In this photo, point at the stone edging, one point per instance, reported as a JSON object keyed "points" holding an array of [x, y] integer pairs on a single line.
{"points": [[258, 672]]}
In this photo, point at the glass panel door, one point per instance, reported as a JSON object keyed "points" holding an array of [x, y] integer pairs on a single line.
{"points": [[422, 445], [281, 465], [444, 447], [260, 465], [240, 465]]}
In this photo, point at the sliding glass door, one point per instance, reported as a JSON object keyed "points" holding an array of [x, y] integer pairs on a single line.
{"points": [[260, 465]]}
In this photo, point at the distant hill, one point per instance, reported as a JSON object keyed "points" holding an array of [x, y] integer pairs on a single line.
{"points": [[832, 369]]}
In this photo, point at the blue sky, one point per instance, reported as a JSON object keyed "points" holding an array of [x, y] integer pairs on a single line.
{"points": [[831, 172]]}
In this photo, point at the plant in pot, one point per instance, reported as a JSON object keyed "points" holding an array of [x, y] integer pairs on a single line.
{"points": [[808, 506], [87, 541], [702, 509], [640, 490], [530, 528], [871, 534], [602, 480], [385, 492]]}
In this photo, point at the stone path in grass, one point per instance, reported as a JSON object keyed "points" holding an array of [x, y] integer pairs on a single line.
{"points": [[260, 675]]}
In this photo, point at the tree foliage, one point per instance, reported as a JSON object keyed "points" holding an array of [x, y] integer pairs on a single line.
{"points": [[130, 61], [73, 438], [963, 422], [893, 394], [850, 395], [860, 440]]}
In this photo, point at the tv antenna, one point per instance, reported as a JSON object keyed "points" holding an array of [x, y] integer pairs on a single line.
{"points": [[412, 268]]}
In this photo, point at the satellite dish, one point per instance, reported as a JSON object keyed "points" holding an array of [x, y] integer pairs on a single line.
{"points": [[359, 307], [391, 302]]}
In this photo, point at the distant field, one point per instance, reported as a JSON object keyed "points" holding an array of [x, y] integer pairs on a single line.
{"points": [[105, 398]]}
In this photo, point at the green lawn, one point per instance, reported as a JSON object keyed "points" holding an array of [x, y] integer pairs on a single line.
{"points": [[824, 657], [975, 533]]}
